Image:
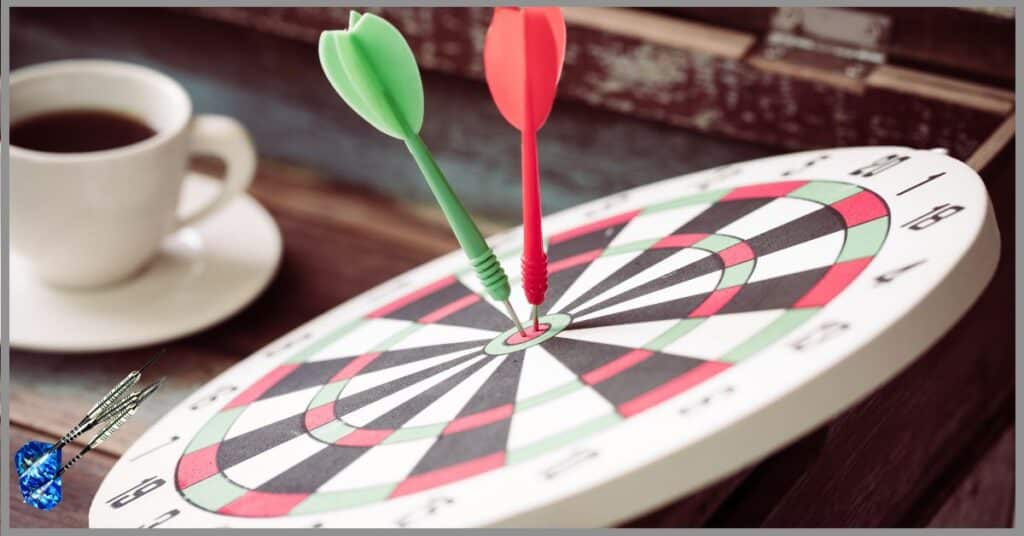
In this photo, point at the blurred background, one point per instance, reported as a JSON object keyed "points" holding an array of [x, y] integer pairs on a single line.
{"points": [[645, 94]]}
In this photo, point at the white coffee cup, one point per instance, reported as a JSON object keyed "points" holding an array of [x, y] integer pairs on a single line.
{"points": [[94, 218]]}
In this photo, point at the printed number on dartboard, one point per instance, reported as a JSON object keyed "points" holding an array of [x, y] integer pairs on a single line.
{"points": [[136, 492], [424, 512], [212, 397]]}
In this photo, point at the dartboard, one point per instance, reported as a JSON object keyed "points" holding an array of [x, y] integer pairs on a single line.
{"points": [[691, 326]]}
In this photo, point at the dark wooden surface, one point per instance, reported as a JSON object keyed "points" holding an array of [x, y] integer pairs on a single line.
{"points": [[933, 447]]}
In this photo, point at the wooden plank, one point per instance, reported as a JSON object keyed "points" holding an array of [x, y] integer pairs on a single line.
{"points": [[942, 88], [609, 66], [668, 31], [993, 145], [985, 497]]}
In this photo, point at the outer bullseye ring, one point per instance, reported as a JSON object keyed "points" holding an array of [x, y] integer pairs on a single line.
{"points": [[555, 324]]}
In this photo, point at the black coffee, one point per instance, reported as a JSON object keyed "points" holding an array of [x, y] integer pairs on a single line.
{"points": [[78, 131]]}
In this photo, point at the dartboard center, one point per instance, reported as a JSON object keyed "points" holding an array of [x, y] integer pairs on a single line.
{"points": [[513, 341]]}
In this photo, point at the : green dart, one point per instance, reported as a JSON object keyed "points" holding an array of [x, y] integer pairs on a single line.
{"points": [[373, 69]]}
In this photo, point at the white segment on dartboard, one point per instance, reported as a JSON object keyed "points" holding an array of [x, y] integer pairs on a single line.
{"points": [[363, 338], [677, 261], [447, 408], [376, 378], [366, 414], [634, 335], [817, 253], [564, 413], [643, 227], [261, 468], [715, 336], [776, 213], [382, 465], [541, 373], [430, 334], [699, 285], [273, 409]]}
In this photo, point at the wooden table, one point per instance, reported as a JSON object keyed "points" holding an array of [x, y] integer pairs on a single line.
{"points": [[933, 447]]}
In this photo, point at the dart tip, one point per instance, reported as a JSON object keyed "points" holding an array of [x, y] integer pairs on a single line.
{"points": [[515, 318], [535, 314], [153, 359]]}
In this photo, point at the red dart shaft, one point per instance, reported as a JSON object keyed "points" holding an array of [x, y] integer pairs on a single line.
{"points": [[534, 261]]}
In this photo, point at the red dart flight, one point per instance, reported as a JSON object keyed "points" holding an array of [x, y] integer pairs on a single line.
{"points": [[523, 55]]}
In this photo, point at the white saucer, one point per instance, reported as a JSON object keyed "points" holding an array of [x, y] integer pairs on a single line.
{"points": [[202, 275]]}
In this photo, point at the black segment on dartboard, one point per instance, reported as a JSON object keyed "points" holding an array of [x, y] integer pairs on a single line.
{"points": [[242, 447], [560, 281], [499, 390], [775, 293], [597, 239], [464, 446], [707, 265], [394, 358], [643, 261], [314, 471], [480, 315], [398, 416], [306, 375], [821, 222], [646, 375], [721, 214], [348, 404], [485, 316], [666, 310], [582, 357]]}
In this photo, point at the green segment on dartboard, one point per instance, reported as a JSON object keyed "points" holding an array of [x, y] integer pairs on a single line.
{"points": [[373, 69]]}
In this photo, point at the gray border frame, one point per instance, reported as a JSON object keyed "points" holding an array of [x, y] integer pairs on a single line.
{"points": [[5, 200]]}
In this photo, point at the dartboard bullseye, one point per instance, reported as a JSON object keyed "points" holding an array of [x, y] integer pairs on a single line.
{"points": [[691, 326]]}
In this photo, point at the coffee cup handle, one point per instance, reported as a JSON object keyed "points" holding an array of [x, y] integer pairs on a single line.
{"points": [[225, 138]]}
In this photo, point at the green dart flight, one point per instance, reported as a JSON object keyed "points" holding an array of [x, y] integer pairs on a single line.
{"points": [[373, 69]]}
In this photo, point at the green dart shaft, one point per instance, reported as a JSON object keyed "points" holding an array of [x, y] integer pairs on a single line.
{"points": [[482, 258]]}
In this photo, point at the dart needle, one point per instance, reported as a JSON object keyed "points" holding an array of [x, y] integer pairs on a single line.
{"points": [[515, 318], [536, 317]]}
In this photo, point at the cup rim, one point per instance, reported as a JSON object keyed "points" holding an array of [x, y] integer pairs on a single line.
{"points": [[52, 68]]}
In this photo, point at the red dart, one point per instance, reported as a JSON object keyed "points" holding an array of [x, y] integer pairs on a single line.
{"points": [[523, 55]]}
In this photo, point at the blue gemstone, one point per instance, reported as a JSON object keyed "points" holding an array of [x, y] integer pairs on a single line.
{"points": [[37, 475]]}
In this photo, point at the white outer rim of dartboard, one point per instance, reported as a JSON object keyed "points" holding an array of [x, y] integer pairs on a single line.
{"points": [[776, 421]]}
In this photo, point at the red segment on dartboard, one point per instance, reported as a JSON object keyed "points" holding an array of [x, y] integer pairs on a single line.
{"points": [[257, 389], [715, 301], [319, 416], [575, 260], [672, 388], [679, 240], [736, 254], [616, 366], [448, 474], [412, 296], [860, 208], [449, 309], [476, 420], [771, 189], [262, 504], [364, 437], [354, 366], [593, 226], [832, 283], [197, 466]]}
